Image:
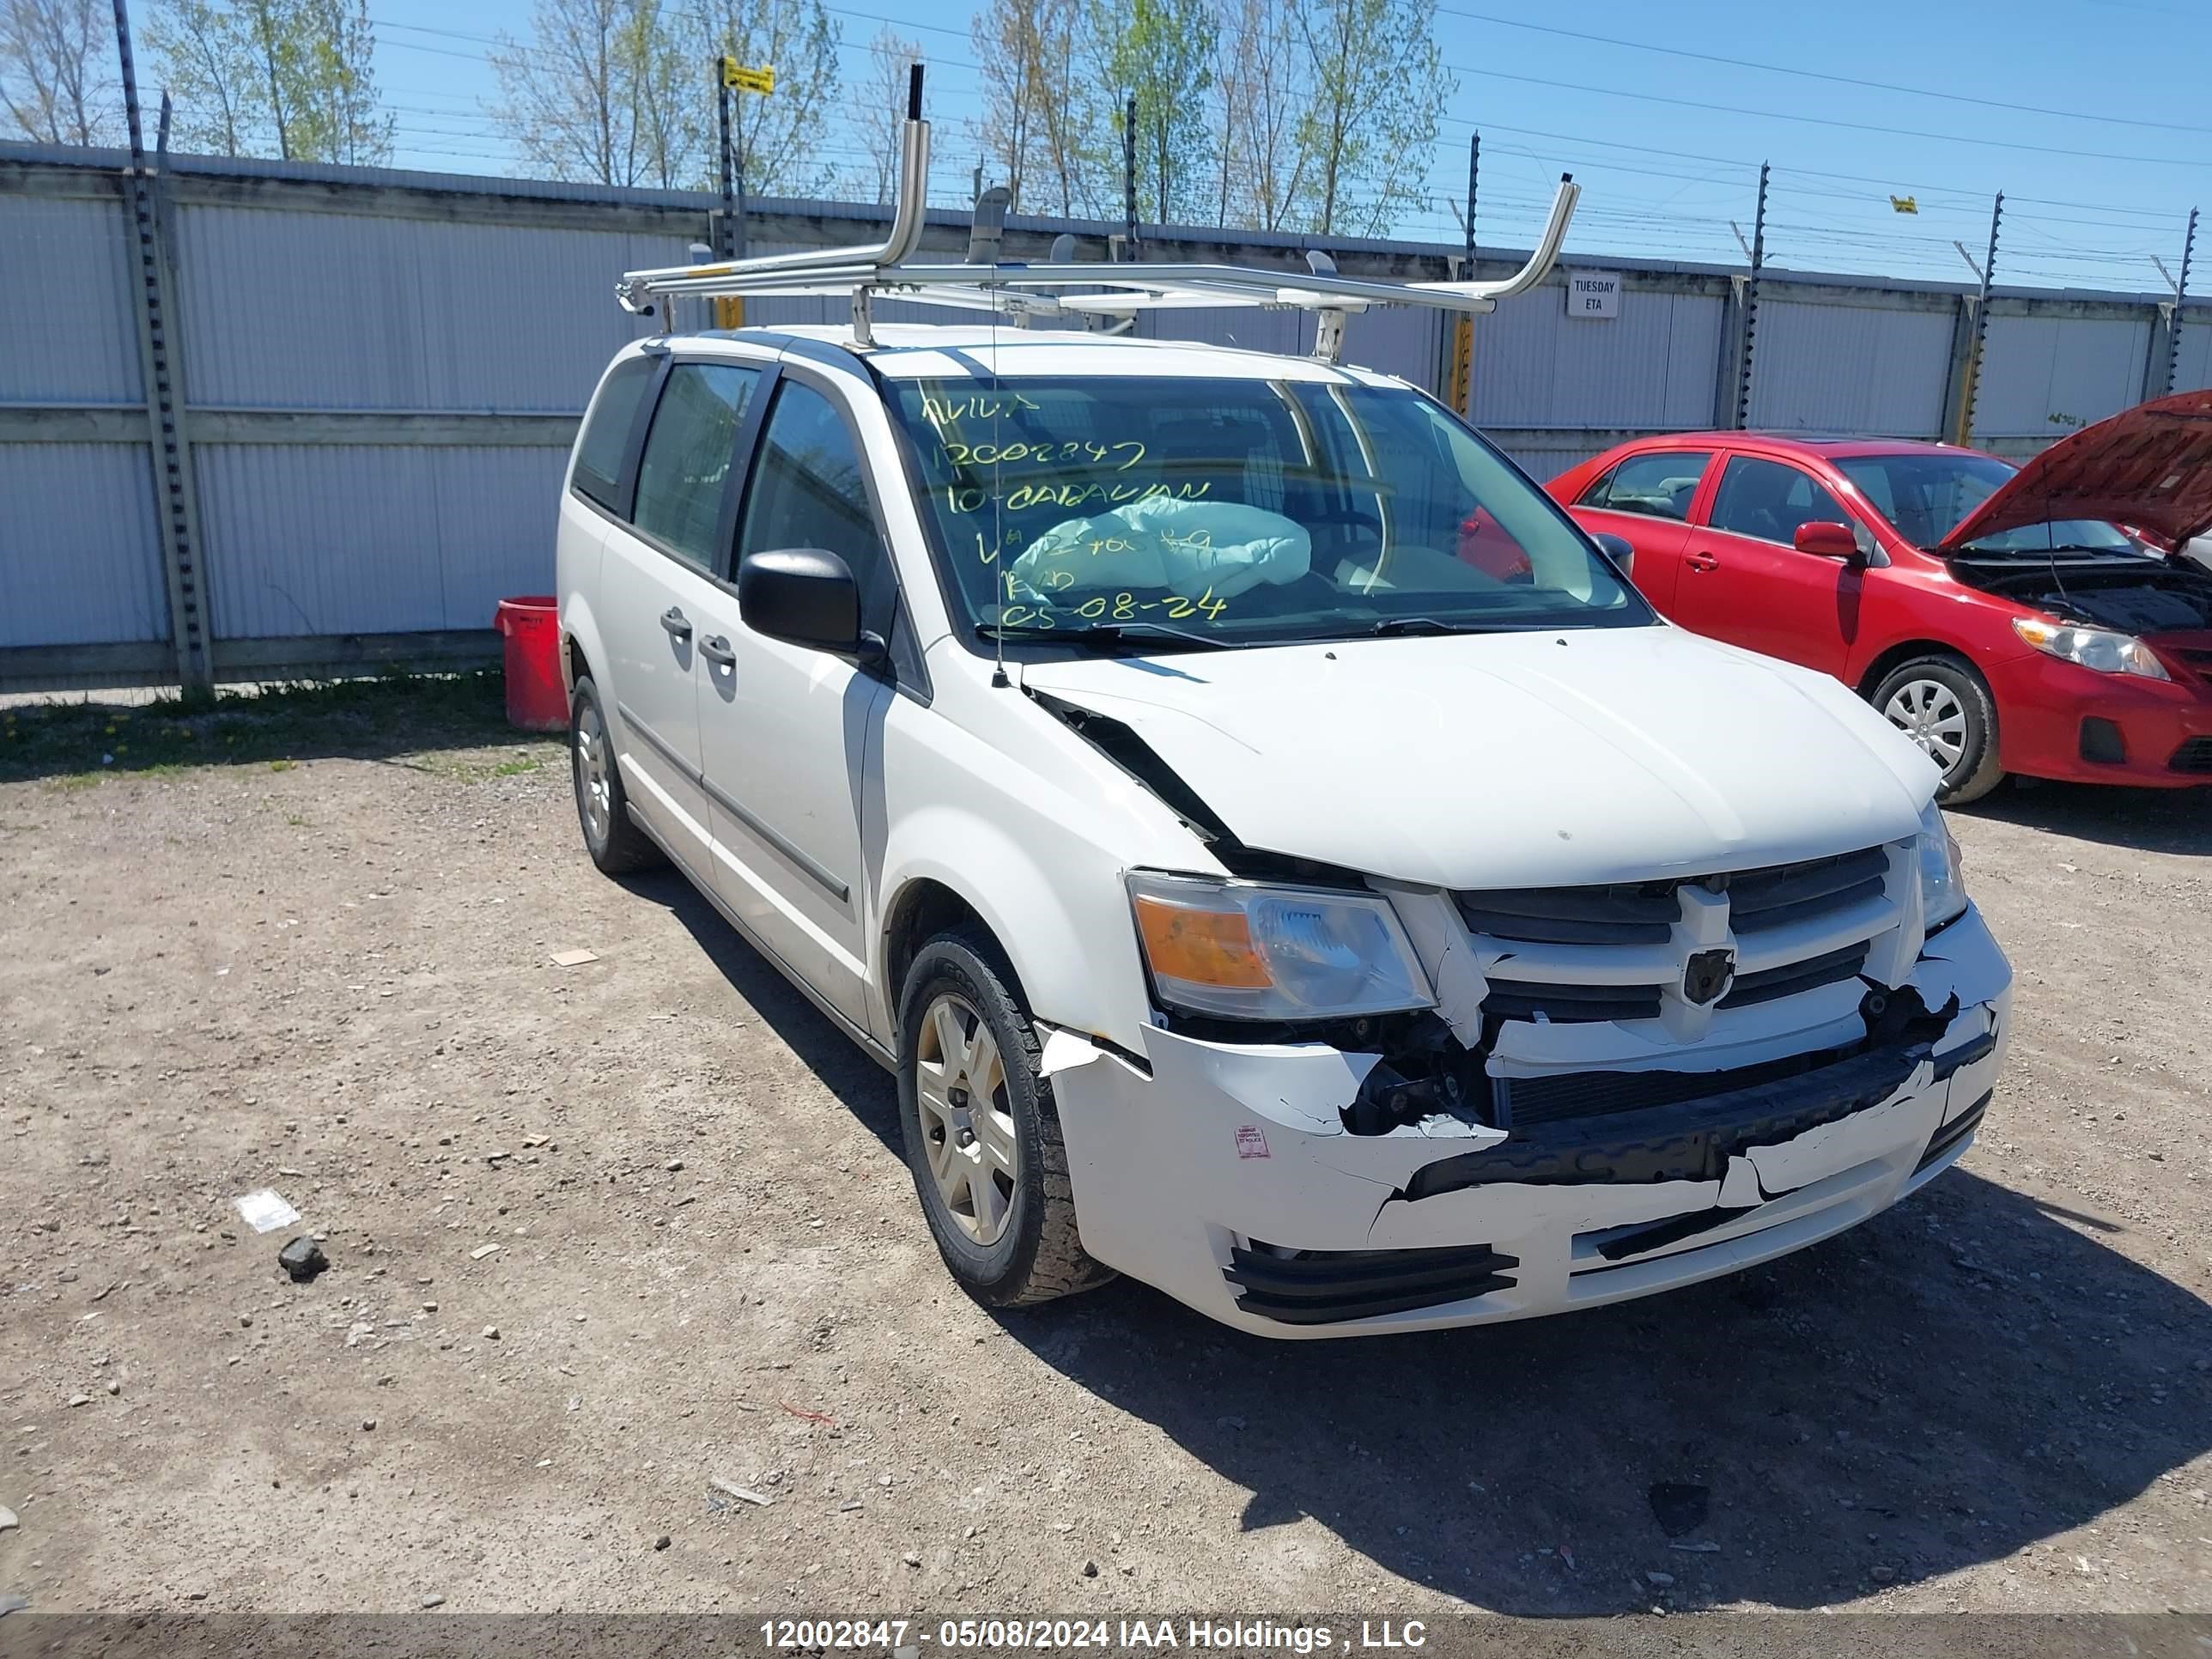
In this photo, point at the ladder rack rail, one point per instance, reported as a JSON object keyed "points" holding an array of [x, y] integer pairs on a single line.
{"points": [[1058, 289]]}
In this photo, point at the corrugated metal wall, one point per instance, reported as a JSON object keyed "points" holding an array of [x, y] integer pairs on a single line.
{"points": [[378, 313], [373, 539], [381, 373], [1851, 367], [80, 552], [79, 556], [2045, 375], [1651, 368]]}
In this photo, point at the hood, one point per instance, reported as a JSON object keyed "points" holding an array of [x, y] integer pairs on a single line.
{"points": [[1516, 760], [2149, 467]]}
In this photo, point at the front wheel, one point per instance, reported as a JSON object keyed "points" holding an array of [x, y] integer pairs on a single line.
{"points": [[982, 1134], [1945, 707]]}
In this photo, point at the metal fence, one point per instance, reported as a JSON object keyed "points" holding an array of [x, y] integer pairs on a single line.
{"points": [[377, 375]]}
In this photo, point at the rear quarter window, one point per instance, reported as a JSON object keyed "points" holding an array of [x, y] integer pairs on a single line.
{"points": [[1659, 484], [605, 439]]}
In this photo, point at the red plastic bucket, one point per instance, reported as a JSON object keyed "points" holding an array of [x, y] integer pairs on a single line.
{"points": [[536, 699]]}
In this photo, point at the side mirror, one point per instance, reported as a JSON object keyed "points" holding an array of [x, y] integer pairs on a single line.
{"points": [[804, 596], [1826, 539], [1619, 549]]}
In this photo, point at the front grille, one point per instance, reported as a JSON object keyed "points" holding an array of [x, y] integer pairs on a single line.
{"points": [[1564, 1004], [1325, 1287], [1643, 913], [1569, 928], [2195, 756], [1787, 981], [1759, 899]]}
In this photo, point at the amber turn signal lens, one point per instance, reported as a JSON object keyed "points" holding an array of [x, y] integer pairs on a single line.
{"points": [[1204, 947]]}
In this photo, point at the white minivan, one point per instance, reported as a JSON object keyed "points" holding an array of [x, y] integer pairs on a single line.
{"points": [[1279, 854]]}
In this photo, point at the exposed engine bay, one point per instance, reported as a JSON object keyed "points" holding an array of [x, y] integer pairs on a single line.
{"points": [[2133, 594]]}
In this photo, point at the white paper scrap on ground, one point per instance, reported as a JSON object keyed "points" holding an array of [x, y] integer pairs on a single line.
{"points": [[265, 1211], [574, 959]]}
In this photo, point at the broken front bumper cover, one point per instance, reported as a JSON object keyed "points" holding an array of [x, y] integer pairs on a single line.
{"points": [[1227, 1178]]}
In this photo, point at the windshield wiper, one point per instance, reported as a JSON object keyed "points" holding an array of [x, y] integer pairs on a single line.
{"points": [[1122, 633], [1390, 625], [1980, 550]]}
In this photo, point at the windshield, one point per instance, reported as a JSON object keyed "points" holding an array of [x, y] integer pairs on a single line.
{"points": [[1926, 496], [1224, 512]]}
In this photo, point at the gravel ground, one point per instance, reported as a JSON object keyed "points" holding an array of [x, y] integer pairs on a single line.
{"points": [[331, 972]]}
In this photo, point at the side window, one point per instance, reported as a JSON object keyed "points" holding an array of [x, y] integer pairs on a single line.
{"points": [[1594, 493], [1659, 483], [686, 464], [606, 431], [1769, 500], [808, 491]]}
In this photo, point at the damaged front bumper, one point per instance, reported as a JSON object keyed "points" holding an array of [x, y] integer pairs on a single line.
{"points": [[1227, 1177]]}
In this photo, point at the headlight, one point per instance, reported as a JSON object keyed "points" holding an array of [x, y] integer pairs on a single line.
{"points": [[1246, 952], [2093, 648], [1943, 886]]}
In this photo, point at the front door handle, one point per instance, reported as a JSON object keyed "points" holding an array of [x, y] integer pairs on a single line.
{"points": [[716, 650], [678, 624], [1703, 562]]}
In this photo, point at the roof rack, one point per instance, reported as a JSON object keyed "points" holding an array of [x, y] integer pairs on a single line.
{"points": [[1032, 294]]}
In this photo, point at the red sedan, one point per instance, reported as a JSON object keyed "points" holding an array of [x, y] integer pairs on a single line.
{"points": [[2000, 616]]}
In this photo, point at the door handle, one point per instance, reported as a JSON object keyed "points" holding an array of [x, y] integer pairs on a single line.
{"points": [[678, 624], [716, 650], [1703, 562]]}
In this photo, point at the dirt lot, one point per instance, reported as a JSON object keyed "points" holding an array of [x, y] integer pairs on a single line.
{"points": [[325, 965]]}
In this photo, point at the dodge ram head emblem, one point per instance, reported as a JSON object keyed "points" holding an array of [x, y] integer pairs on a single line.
{"points": [[1707, 975]]}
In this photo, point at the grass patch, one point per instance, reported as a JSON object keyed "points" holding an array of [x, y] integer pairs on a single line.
{"points": [[72, 745]]}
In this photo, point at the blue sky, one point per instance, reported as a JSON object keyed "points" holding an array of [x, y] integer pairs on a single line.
{"points": [[2093, 120]]}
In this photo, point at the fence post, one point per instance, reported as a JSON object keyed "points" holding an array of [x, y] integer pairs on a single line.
{"points": [[176, 496], [1746, 339], [1461, 376], [1969, 368], [1129, 178], [2180, 300]]}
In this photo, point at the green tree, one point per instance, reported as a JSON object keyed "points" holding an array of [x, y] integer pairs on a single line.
{"points": [[53, 84], [330, 55], [1261, 78], [1160, 54], [291, 78], [1044, 124], [1377, 91], [776, 138], [599, 94], [210, 65], [877, 115]]}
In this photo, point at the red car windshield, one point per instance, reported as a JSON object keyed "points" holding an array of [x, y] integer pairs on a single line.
{"points": [[1926, 495]]}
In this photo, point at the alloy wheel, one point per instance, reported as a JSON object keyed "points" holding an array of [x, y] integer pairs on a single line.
{"points": [[595, 796], [967, 1121]]}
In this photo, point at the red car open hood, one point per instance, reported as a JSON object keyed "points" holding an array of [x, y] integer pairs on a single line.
{"points": [[2150, 468]]}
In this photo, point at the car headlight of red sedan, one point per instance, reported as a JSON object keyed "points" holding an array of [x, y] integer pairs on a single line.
{"points": [[2093, 648]]}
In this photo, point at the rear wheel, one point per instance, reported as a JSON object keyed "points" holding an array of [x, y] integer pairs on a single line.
{"points": [[616, 844], [1945, 707], [983, 1134]]}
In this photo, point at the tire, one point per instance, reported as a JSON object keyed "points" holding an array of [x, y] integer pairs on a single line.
{"points": [[616, 844], [999, 1204], [1945, 707]]}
